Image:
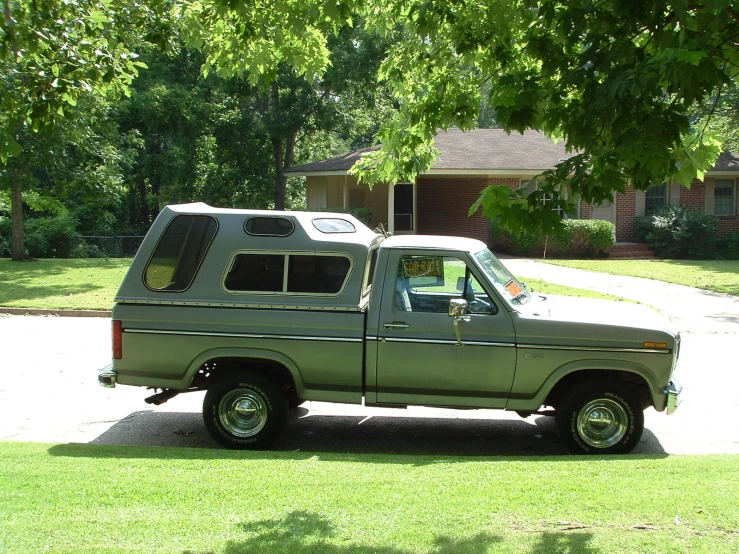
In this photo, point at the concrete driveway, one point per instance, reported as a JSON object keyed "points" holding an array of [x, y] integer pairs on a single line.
{"points": [[49, 393], [693, 310]]}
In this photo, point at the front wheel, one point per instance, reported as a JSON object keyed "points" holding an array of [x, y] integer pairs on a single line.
{"points": [[602, 417], [244, 411]]}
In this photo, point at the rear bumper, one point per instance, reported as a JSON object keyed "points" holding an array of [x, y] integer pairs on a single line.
{"points": [[106, 377], [673, 391]]}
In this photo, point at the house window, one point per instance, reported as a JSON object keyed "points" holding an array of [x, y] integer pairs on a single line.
{"points": [[655, 198], [723, 197], [547, 197]]}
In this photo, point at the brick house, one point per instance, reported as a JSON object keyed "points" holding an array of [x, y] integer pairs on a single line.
{"points": [[438, 201]]}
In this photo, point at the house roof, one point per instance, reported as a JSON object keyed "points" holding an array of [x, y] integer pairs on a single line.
{"points": [[484, 151], [727, 161], [480, 150]]}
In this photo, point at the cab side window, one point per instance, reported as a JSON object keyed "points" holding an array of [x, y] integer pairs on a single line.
{"points": [[426, 284]]}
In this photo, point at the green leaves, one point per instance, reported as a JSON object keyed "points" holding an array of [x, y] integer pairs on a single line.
{"points": [[55, 52]]}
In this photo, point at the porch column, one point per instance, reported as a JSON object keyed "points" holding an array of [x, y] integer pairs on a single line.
{"points": [[390, 208]]}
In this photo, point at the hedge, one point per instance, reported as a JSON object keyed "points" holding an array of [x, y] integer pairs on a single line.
{"points": [[679, 232], [579, 238]]}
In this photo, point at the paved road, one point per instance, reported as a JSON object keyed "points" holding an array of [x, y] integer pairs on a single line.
{"points": [[49, 393]]}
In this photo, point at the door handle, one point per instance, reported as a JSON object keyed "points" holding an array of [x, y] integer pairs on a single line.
{"points": [[395, 325]]}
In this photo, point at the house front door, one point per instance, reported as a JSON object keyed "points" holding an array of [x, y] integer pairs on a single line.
{"points": [[605, 211], [403, 203]]}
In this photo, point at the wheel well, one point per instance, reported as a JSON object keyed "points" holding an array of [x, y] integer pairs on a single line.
{"points": [[212, 370], [572, 379]]}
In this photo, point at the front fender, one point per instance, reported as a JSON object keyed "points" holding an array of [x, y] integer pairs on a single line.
{"points": [[526, 396]]}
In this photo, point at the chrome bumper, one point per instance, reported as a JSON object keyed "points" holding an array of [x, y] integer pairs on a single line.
{"points": [[673, 391], [106, 377]]}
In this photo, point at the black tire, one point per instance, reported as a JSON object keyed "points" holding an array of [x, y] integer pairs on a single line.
{"points": [[244, 411], [293, 402], [600, 417]]}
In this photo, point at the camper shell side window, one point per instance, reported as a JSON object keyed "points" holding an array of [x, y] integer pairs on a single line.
{"points": [[322, 274]]}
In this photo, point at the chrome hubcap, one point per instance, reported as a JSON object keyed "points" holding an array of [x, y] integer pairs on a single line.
{"points": [[243, 412], [602, 423]]}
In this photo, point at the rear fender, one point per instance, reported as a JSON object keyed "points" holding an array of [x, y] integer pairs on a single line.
{"points": [[246, 354]]}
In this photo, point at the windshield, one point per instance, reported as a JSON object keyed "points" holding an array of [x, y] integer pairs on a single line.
{"points": [[503, 280]]}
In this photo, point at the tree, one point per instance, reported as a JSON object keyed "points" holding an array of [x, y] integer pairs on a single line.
{"points": [[52, 53], [337, 72], [615, 80]]}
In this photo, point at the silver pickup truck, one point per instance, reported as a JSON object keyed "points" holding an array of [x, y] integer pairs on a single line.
{"points": [[265, 310]]}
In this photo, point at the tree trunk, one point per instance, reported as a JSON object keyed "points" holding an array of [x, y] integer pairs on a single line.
{"points": [[280, 179], [17, 248]]}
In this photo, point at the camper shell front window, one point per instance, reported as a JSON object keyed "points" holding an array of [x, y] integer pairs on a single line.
{"points": [[269, 226]]}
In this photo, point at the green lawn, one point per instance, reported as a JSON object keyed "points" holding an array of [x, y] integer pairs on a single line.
{"points": [[92, 283], [61, 284], [87, 498], [715, 275], [545, 287]]}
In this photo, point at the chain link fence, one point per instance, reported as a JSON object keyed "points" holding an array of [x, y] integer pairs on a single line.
{"points": [[118, 246]]}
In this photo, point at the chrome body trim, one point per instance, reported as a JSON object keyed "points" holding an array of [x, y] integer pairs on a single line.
{"points": [[430, 341], [673, 390], [260, 306], [594, 349], [240, 335], [106, 377]]}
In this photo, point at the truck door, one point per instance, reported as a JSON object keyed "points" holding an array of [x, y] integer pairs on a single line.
{"points": [[421, 359]]}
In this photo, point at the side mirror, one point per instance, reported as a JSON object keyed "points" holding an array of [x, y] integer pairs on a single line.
{"points": [[457, 307]]}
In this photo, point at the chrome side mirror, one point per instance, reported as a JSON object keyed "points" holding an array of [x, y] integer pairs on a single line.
{"points": [[457, 307]]}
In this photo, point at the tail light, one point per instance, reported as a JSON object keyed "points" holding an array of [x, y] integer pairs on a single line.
{"points": [[117, 340]]}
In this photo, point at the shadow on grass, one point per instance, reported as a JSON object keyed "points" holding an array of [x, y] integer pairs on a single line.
{"points": [[309, 533], [403, 440], [23, 281]]}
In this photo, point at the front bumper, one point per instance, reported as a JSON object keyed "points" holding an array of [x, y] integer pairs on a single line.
{"points": [[106, 377], [673, 391]]}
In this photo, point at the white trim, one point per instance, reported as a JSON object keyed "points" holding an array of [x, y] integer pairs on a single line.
{"points": [[391, 208], [708, 199], [512, 173], [240, 335], [415, 208]]}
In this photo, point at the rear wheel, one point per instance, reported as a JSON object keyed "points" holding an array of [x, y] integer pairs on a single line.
{"points": [[244, 411], [601, 417]]}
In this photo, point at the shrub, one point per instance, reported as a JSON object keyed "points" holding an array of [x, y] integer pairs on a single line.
{"points": [[84, 250], [679, 232], [727, 246], [579, 238], [49, 237], [362, 214], [4, 237]]}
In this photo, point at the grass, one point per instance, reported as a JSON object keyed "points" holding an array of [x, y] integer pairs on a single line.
{"points": [[714, 275], [544, 287], [61, 284], [91, 284], [87, 498]]}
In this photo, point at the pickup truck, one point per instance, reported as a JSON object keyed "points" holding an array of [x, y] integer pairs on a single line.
{"points": [[265, 310]]}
